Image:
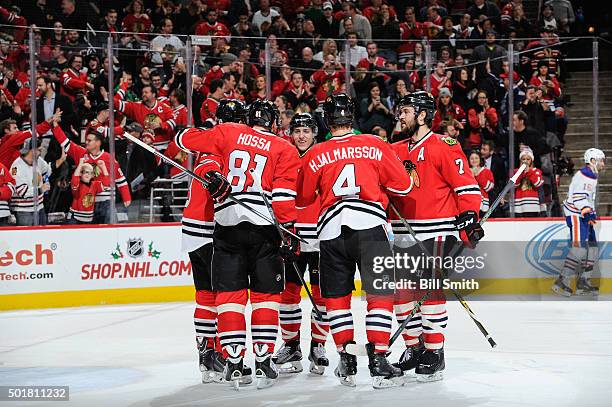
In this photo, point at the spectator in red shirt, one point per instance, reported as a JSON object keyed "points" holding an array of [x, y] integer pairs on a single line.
{"points": [[85, 189], [75, 82], [137, 23], [541, 78], [439, 78], [328, 80], [211, 26], [372, 59], [483, 122], [447, 110]]}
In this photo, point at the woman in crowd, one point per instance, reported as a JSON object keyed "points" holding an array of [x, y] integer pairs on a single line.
{"points": [[483, 121], [484, 177], [375, 110]]}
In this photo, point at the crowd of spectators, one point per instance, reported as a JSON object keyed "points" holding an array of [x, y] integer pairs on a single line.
{"points": [[385, 42]]}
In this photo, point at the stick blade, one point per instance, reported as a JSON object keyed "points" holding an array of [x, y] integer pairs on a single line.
{"points": [[356, 349]]}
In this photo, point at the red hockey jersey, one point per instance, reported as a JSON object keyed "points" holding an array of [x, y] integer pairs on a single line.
{"points": [[306, 225], [84, 196], [443, 188], [73, 83], [11, 145], [7, 189], [198, 221], [351, 175], [526, 199], [179, 156], [75, 152], [160, 113], [179, 115], [209, 109], [242, 150], [486, 182]]}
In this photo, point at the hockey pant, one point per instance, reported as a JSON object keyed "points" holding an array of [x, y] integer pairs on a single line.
{"points": [[583, 247], [339, 258]]}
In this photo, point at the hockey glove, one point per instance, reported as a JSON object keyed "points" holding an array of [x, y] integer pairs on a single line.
{"points": [[290, 248], [218, 186], [589, 216], [470, 230]]}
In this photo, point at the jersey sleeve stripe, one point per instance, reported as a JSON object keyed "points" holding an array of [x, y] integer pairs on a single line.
{"points": [[398, 192], [283, 191]]}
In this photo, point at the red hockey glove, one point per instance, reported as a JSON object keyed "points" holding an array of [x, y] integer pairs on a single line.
{"points": [[290, 248], [470, 230], [218, 186]]}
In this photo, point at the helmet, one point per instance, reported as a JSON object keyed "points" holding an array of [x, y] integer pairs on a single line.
{"points": [[263, 113], [303, 120], [420, 100], [593, 154], [338, 110], [231, 111]]}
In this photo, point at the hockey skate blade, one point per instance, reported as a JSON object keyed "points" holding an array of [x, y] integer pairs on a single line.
{"points": [[356, 349], [584, 293], [316, 369], [208, 376], [290, 368], [557, 290], [264, 382], [348, 381], [426, 378], [380, 382]]}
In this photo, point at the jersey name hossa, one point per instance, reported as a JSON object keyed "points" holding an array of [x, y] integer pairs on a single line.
{"points": [[351, 175], [443, 187], [241, 150]]}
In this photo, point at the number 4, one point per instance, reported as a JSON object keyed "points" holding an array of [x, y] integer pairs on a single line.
{"points": [[345, 183], [459, 162]]}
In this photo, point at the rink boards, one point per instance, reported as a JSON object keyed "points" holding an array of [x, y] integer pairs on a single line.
{"points": [[51, 267]]}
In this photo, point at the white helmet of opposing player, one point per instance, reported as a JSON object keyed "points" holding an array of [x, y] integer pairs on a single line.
{"points": [[595, 157]]}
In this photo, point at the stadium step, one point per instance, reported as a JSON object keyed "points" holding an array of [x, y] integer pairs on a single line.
{"points": [[579, 135]]}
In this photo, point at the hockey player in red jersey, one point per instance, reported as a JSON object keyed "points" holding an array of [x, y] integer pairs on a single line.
{"points": [[150, 113], [197, 233], [351, 175], [442, 208], [303, 129], [246, 248]]}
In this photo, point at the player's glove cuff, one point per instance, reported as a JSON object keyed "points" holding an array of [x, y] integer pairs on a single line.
{"points": [[469, 228], [290, 247], [218, 186]]}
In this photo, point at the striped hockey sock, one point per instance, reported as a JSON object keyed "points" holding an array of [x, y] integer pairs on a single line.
{"points": [[230, 320], [264, 319], [290, 313]]}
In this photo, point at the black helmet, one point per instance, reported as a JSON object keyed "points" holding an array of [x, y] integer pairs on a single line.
{"points": [[303, 120], [420, 100], [338, 110], [231, 111], [263, 113]]}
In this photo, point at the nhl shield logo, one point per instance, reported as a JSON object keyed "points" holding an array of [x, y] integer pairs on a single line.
{"points": [[135, 247]]}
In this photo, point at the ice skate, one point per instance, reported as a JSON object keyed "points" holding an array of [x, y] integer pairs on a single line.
{"points": [[288, 358], [266, 372], [234, 367], [219, 370], [347, 369], [206, 358], [562, 287], [384, 374], [317, 358], [409, 360], [431, 365], [584, 287]]}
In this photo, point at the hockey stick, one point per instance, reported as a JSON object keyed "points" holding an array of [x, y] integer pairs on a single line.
{"points": [[360, 350], [257, 185], [153, 151]]}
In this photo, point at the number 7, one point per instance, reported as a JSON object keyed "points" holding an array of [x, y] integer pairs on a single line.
{"points": [[459, 162]]}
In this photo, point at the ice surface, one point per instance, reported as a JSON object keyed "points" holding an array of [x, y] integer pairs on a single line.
{"points": [[551, 353]]}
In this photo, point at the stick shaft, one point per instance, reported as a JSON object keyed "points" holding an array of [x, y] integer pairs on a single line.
{"points": [[195, 176]]}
